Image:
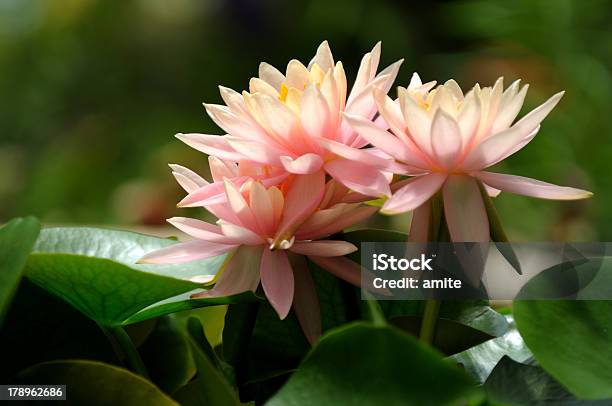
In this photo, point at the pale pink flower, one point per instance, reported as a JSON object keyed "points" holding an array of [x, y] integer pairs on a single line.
{"points": [[451, 138], [267, 232], [293, 123]]}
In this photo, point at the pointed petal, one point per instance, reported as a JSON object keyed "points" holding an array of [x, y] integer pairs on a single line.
{"points": [[256, 151], [342, 267], [304, 165], [185, 252], [445, 139], [418, 123], [277, 281], [360, 177], [384, 140], [220, 169], [469, 118], [240, 234], [419, 226], [315, 113], [350, 153], [303, 196], [262, 208], [323, 248], [240, 275], [188, 179], [531, 187], [215, 145], [305, 300], [464, 210], [211, 194], [330, 221], [323, 57], [414, 193], [200, 229], [509, 110], [271, 75], [239, 206], [532, 120]]}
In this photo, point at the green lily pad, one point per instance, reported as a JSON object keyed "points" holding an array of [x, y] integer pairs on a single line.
{"points": [[572, 340], [95, 383], [363, 364], [513, 383], [17, 238], [95, 270]]}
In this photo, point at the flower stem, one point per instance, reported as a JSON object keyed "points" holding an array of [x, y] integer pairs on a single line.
{"points": [[429, 321], [124, 347]]}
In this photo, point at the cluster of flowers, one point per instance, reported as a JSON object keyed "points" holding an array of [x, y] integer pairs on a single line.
{"points": [[300, 157]]}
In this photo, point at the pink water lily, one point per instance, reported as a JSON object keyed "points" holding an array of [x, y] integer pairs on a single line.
{"points": [[451, 138], [293, 123], [268, 232]]}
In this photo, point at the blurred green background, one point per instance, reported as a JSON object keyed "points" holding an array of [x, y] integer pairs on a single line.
{"points": [[93, 91]]}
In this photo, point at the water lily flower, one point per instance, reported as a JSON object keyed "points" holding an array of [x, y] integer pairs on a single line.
{"points": [[268, 232], [452, 138], [293, 123]]}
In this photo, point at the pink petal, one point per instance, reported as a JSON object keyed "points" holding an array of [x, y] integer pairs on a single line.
{"points": [[323, 248], [532, 120], [211, 194], [240, 275], [414, 193], [464, 210], [235, 124], [469, 118], [271, 75], [350, 153], [220, 169], [188, 179], [200, 229], [262, 208], [509, 109], [493, 149], [303, 196], [186, 252], [531, 187], [417, 121], [323, 57], [419, 227], [277, 280], [215, 145], [257, 151], [358, 176], [240, 234], [305, 300], [315, 114], [384, 140], [239, 206], [341, 267], [445, 139], [330, 221], [304, 165]]}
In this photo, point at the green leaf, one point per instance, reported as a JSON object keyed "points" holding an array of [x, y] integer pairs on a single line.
{"points": [[498, 235], [461, 324], [183, 302], [480, 360], [362, 364], [17, 238], [41, 327], [95, 383], [210, 386], [513, 383], [572, 340], [167, 355], [95, 270]]}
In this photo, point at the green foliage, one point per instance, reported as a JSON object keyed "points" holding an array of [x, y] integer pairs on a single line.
{"points": [[362, 364], [95, 270], [96, 383], [16, 240], [571, 340]]}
